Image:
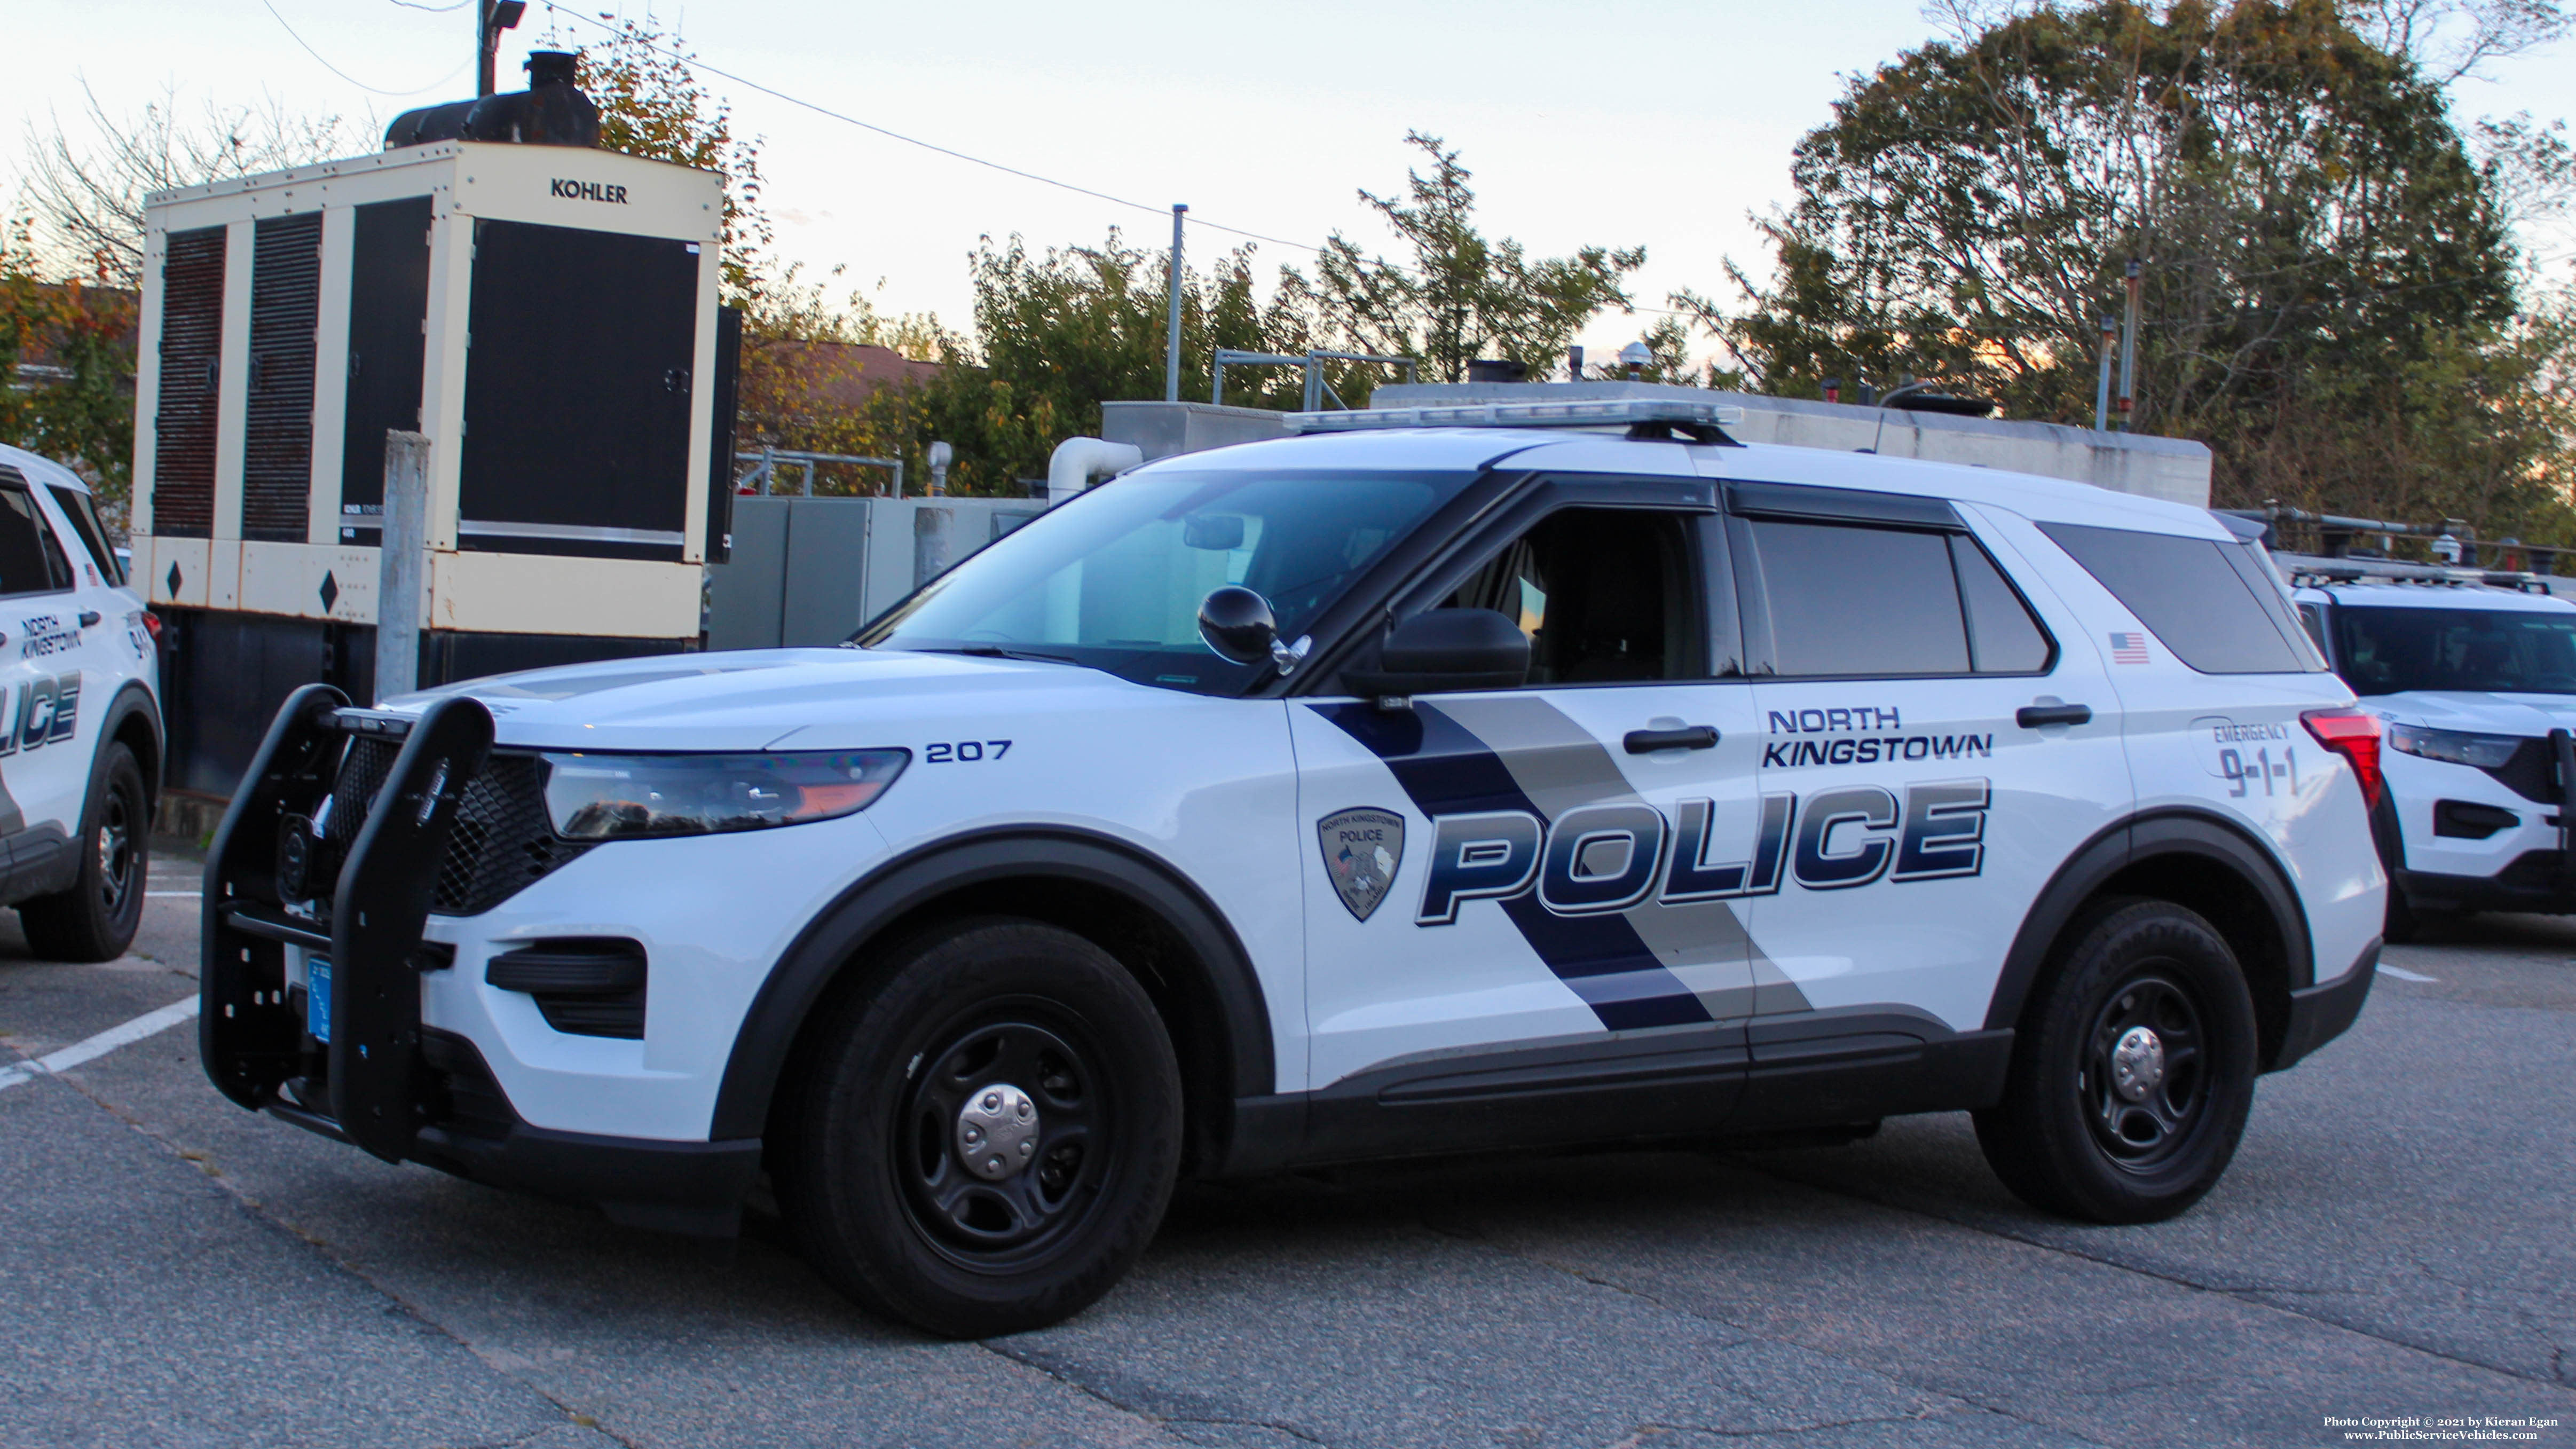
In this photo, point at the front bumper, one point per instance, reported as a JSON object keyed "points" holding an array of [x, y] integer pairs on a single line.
{"points": [[402, 1088]]}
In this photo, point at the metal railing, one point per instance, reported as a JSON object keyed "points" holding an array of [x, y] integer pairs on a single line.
{"points": [[766, 462], [1317, 389]]}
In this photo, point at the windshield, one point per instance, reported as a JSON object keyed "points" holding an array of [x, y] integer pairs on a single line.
{"points": [[2392, 650], [1113, 580]]}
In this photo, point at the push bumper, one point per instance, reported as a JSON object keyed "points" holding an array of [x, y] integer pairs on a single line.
{"points": [[2319, 1014], [380, 1080]]}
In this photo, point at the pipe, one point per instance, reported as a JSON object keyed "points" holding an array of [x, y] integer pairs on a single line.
{"points": [[1076, 461]]}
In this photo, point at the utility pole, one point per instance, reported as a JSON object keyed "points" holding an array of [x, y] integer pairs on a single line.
{"points": [[497, 16], [2102, 383], [2129, 347], [1172, 331]]}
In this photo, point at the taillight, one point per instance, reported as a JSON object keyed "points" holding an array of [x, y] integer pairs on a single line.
{"points": [[2355, 736], [151, 623]]}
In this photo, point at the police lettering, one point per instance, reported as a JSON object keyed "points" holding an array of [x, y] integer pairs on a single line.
{"points": [[1601, 858], [44, 711]]}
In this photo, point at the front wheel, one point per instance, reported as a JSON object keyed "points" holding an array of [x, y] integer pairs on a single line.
{"points": [[95, 920], [2133, 1073], [987, 1140]]}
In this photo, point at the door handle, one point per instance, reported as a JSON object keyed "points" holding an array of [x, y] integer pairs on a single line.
{"points": [[1688, 737], [2032, 716], [89, 618]]}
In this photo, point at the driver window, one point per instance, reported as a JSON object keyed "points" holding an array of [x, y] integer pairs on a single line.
{"points": [[1602, 594]]}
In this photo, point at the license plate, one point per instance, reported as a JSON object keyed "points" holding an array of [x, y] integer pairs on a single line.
{"points": [[317, 998]]}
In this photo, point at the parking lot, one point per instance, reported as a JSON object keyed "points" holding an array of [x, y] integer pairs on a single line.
{"points": [[2393, 1242]]}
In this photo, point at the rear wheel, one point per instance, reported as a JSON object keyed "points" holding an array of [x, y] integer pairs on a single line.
{"points": [[2133, 1073], [96, 918], [985, 1142]]}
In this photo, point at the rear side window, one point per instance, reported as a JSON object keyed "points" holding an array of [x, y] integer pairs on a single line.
{"points": [[1856, 601], [31, 562], [83, 513], [2210, 608]]}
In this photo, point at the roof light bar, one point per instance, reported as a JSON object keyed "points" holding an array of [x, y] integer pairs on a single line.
{"points": [[1622, 412]]}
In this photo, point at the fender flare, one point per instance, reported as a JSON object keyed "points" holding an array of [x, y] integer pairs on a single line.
{"points": [[2176, 831], [779, 1011], [133, 699]]}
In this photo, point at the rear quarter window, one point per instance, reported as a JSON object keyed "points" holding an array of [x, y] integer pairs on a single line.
{"points": [[2211, 608]]}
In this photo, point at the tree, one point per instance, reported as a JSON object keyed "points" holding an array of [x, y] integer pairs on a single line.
{"points": [[2320, 245], [1461, 295], [85, 191]]}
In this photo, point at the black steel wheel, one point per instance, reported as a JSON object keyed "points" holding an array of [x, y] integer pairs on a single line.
{"points": [[1006, 1129], [95, 919], [2141, 1081], [984, 1131], [2133, 1069]]}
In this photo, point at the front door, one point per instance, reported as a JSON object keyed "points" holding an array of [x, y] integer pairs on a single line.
{"points": [[1537, 869], [44, 756]]}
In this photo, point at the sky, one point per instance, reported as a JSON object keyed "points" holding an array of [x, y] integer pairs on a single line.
{"points": [[1608, 122]]}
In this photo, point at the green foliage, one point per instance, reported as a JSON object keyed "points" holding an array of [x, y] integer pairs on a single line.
{"points": [[1461, 297], [2330, 293], [80, 412]]}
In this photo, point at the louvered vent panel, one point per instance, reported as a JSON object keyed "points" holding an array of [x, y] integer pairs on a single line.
{"points": [[192, 330], [285, 298]]}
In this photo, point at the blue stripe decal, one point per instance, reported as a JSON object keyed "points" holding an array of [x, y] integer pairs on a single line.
{"points": [[1447, 770]]}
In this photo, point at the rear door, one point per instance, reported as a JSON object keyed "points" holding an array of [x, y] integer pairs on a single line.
{"points": [[1948, 737]]}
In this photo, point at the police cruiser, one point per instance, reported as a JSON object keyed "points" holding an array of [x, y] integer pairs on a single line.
{"points": [[1436, 781], [80, 719], [2476, 685]]}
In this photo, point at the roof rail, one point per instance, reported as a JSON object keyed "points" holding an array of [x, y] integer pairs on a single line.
{"points": [[1643, 417]]}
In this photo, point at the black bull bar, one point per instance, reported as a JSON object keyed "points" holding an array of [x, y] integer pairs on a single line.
{"points": [[250, 1037]]}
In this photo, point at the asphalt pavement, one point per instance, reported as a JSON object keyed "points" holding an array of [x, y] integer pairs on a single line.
{"points": [[2392, 1243]]}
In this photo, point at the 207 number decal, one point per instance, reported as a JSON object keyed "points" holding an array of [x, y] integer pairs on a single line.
{"points": [[964, 752]]}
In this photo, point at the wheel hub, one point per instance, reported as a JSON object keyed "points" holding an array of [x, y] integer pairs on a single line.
{"points": [[2137, 1064], [997, 1132]]}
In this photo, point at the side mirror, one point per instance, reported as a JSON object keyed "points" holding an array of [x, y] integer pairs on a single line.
{"points": [[1445, 649], [1238, 625]]}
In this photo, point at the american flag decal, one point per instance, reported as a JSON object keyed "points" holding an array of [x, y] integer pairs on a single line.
{"points": [[2128, 648]]}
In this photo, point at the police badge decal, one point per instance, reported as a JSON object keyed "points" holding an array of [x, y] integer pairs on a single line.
{"points": [[1362, 849]]}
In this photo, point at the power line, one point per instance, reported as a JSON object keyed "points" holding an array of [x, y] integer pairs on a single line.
{"points": [[344, 75], [447, 9], [820, 110]]}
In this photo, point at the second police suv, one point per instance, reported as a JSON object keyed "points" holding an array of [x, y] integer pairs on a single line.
{"points": [[2475, 684], [1437, 781]]}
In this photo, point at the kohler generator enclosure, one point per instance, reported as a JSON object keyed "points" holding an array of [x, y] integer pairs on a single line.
{"points": [[546, 315]]}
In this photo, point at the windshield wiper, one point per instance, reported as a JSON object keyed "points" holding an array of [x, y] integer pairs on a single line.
{"points": [[993, 651]]}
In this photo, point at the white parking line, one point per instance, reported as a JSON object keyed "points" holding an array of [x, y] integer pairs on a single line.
{"points": [[99, 1045], [190, 895], [2402, 974]]}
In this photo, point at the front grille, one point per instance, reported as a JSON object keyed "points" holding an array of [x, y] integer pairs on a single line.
{"points": [[502, 841], [2531, 772]]}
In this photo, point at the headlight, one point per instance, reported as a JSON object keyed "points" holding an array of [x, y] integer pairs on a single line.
{"points": [[2487, 752], [618, 797]]}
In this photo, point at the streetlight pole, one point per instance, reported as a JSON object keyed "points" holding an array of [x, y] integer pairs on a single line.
{"points": [[2129, 347], [1172, 331]]}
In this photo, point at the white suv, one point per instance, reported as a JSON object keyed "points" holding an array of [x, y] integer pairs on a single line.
{"points": [[2477, 687], [1576, 776], [80, 719]]}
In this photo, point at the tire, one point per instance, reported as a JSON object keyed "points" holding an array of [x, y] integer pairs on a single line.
{"points": [[2089, 1131], [2403, 924], [1025, 1040], [95, 919]]}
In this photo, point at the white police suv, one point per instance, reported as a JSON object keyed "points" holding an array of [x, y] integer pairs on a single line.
{"points": [[2476, 686], [80, 719], [1437, 781]]}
